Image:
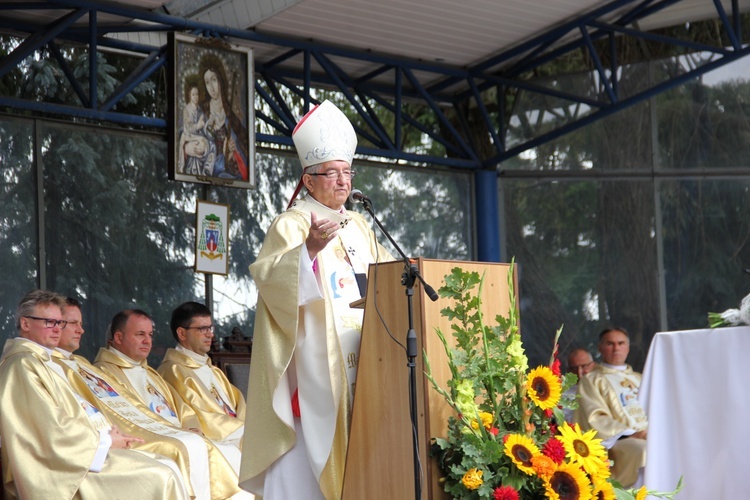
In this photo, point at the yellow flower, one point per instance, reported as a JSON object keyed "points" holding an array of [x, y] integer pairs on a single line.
{"points": [[603, 473], [603, 489], [584, 449], [641, 495], [568, 482], [521, 450], [543, 465], [516, 353], [486, 418], [543, 387], [472, 479], [465, 398]]}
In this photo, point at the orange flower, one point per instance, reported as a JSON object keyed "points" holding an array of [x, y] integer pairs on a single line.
{"points": [[543, 465]]}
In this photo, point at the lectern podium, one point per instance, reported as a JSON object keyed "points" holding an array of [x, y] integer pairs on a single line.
{"points": [[380, 460]]}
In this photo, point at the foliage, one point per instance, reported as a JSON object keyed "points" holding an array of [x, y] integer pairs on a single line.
{"points": [[508, 430]]}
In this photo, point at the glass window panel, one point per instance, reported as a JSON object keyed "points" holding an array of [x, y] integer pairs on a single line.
{"points": [[18, 234], [586, 255], [118, 234], [706, 123], [706, 226]]}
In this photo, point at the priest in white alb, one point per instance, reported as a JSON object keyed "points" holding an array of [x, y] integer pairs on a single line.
{"points": [[306, 337]]}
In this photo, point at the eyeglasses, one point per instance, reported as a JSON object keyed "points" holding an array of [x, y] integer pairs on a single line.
{"points": [[50, 323], [334, 174], [204, 330]]}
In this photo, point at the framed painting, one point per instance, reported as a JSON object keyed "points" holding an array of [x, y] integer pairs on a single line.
{"points": [[211, 122], [212, 238]]}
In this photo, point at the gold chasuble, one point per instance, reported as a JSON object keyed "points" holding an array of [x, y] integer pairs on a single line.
{"points": [[50, 438], [219, 405], [198, 459], [153, 391], [305, 345], [608, 402]]}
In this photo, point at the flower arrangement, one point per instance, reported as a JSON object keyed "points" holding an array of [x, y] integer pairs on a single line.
{"points": [[508, 439], [731, 317]]}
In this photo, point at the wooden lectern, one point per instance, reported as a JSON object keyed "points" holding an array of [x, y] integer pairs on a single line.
{"points": [[380, 461]]}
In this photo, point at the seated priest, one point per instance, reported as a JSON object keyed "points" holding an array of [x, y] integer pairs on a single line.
{"points": [[130, 338], [219, 405], [608, 399], [54, 443], [208, 472]]}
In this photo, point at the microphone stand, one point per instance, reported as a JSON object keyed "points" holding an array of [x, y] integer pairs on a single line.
{"points": [[408, 278]]}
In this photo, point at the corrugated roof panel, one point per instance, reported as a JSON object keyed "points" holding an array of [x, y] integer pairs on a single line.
{"points": [[460, 33]]}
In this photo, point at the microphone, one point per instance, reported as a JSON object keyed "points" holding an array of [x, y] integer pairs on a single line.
{"points": [[356, 196]]}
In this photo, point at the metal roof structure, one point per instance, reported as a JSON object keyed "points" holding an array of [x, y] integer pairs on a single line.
{"points": [[438, 52], [449, 56]]}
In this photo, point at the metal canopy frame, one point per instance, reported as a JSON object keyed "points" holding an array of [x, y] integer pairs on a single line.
{"points": [[456, 90]]}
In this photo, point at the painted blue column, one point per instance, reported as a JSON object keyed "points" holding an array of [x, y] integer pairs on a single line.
{"points": [[488, 216]]}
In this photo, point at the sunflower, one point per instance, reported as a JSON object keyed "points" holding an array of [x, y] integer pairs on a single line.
{"points": [[641, 495], [604, 473], [584, 449], [521, 450], [543, 387], [568, 482], [603, 489]]}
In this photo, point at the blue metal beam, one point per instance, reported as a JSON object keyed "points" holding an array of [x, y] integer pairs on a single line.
{"points": [[610, 110], [93, 63], [68, 72], [37, 40], [488, 218]]}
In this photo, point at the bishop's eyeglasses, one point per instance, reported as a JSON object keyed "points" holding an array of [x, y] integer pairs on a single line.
{"points": [[334, 174]]}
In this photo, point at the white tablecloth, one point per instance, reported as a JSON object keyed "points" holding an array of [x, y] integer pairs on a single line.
{"points": [[696, 393]]}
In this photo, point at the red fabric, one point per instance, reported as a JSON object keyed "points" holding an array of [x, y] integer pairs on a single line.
{"points": [[241, 166], [295, 404], [296, 191], [299, 184], [307, 115]]}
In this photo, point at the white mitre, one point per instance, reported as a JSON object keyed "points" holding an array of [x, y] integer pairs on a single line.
{"points": [[324, 134]]}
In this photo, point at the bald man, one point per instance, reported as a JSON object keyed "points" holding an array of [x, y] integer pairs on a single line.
{"points": [[609, 404]]}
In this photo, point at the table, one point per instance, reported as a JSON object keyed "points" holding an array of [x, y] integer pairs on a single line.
{"points": [[696, 393]]}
